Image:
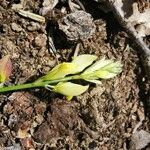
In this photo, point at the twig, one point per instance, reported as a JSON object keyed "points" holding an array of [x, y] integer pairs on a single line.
{"points": [[32, 16], [51, 46], [77, 49]]}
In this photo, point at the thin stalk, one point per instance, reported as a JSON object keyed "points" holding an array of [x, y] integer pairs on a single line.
{"points": [[37, 84]]}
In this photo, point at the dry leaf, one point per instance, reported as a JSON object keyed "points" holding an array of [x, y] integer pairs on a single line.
{"points": [[22, 133], [5, 68]]}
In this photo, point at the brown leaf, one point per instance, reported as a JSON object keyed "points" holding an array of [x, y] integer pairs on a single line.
{"points": [[5, 68]]}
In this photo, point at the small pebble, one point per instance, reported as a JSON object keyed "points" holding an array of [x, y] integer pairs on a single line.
{"points": [[40, 40], [34, 26], [14, 147], [16, 27], [77, 25]]}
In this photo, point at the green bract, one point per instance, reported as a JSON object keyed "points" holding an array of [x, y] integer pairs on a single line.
{"points": [[103, 69], [82, 62], [70, 89], [98, 65], [109, 71], [58, 72], [78, 64]]}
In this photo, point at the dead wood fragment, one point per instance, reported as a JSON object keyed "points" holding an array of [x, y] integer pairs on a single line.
{"points": [[130, 30], [143, 49]]}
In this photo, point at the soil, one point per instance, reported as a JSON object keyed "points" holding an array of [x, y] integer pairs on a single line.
{"points": [[102, 118]]}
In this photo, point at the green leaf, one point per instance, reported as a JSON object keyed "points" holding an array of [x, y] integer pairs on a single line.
{"points": [[5, 68], [83, 61], [70, 89]]}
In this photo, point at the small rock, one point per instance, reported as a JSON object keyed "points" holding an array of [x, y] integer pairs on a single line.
{"points": [[22, 134], [48, 5], [40, 40], [16, 27], [14, 147], [77, 25], [17, 6], [39, 119], [34, 26], [45, 133], [40, 108], [12, 119], [27, 143], [140, 139]]}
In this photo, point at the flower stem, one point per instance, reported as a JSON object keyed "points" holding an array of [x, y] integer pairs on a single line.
{"points": [[37, 84]]}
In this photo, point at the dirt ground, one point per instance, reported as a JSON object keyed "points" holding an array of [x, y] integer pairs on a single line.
{"points": [[103, 118]]}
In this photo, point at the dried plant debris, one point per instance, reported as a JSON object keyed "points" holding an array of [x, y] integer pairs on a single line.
{"points": [[48, 5], [75, 5], [77, 25], [142, 4], [124, 11], [5, 68], [32, 16], [18, 6], [24, 4], [62, 120], [129, 10], [141, 21]]}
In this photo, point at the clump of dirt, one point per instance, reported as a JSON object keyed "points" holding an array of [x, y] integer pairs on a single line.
{"points": [[105, 117]]}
